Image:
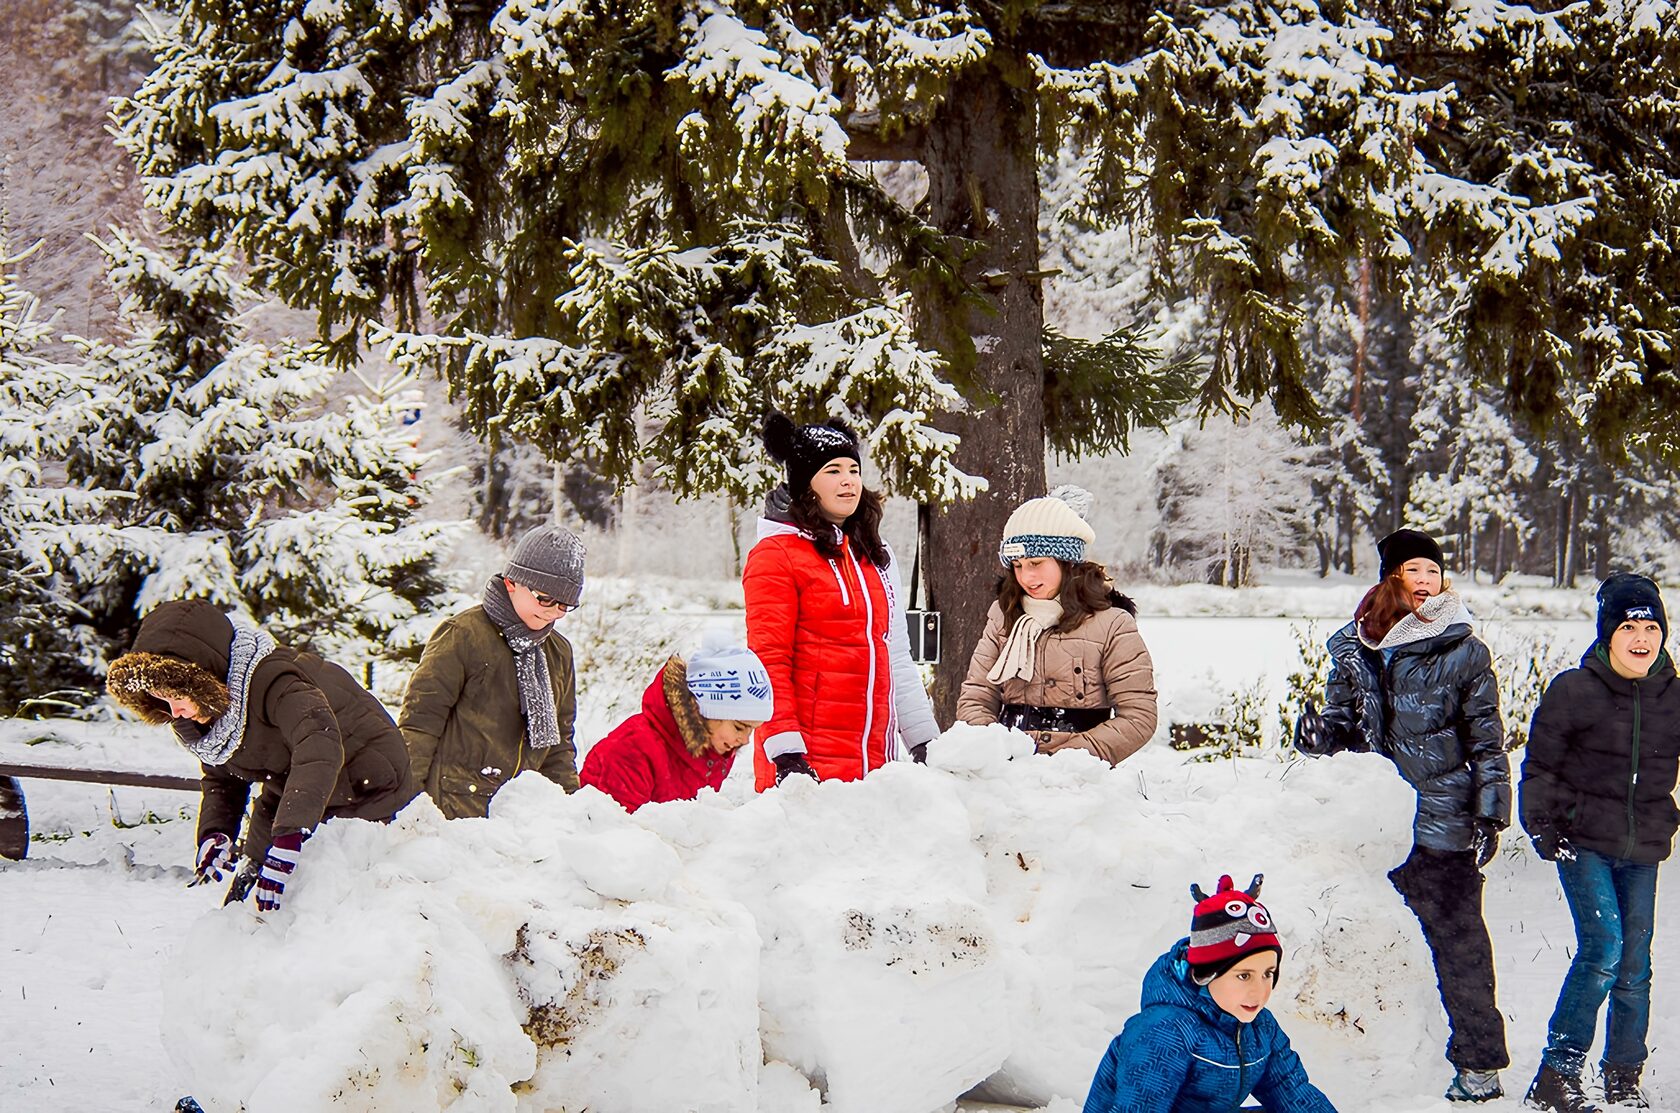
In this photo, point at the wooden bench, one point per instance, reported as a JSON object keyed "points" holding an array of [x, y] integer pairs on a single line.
{"points": [[14, 814]]}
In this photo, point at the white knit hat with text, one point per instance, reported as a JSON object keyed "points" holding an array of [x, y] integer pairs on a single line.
{"points": [[1053, 526], [728, 681]]}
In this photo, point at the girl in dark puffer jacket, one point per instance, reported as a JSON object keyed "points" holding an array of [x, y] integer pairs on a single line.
{"points": [[1409, 680]]}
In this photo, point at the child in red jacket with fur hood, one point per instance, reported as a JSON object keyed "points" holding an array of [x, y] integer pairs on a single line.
{"points": [[694, 717]]}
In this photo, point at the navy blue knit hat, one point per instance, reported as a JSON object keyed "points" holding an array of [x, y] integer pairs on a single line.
{"points": [[1628, 595]]}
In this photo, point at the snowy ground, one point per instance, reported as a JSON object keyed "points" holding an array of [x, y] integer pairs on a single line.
{"points": [[900, 940]]}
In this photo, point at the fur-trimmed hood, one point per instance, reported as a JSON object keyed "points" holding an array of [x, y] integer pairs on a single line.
{"points": [[183, 648], [661, 753], [685, 709]]}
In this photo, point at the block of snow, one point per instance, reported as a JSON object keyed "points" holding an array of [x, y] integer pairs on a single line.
{"points": [[890, 944]]}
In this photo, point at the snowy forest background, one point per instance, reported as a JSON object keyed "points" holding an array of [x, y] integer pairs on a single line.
{"points": [[337, 495]]}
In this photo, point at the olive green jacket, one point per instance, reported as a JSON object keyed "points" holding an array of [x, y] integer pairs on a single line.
{"points": [[462, 720]]}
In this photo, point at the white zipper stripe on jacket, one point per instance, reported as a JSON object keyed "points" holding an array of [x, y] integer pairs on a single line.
{"points": [[868, 640], [845, 597], [892, 749]]}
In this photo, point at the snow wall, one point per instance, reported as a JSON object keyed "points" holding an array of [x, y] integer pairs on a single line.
{"points": [[883, 946]]}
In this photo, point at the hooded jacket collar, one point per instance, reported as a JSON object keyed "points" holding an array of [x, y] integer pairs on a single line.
{"points": [[671, 707], [1596, 660], [1168, 983], [191, 630], [777, 520], [1437, 617]]}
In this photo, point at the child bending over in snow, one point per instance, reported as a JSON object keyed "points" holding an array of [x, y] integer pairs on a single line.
{"points": [[314, 742], [694, 717], [495, 694], [1205, 1041]]}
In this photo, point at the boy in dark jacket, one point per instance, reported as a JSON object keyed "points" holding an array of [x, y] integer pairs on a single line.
{"points": [[314, 742], [1597, 798], [693, 719], [1205, 1040], [495, 694]]}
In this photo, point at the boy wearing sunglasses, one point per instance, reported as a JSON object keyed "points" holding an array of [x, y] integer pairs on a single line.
{"points": [[495, 694]]}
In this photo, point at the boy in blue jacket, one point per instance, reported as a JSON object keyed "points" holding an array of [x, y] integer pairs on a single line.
{"points": [[1205, 1041]]}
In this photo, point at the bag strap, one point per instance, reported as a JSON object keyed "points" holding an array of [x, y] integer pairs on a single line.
{"points": [[916, 562]]}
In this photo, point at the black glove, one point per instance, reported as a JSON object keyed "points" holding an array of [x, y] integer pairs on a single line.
{"points": [[1309, 730], [789, 764], [918, 753], [1552, 846], [1484, 842]]}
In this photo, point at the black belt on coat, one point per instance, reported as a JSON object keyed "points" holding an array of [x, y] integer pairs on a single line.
{"points": [[1069, 720]]}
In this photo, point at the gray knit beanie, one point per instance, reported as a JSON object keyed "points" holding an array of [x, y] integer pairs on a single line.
{"points": [[549, 559]]}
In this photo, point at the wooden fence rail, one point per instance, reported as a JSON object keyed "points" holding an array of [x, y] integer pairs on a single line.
{"points": [[14, 813]]}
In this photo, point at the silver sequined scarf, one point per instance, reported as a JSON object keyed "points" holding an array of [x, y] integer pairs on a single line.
{"points": [[215, 745], [530, 663]]}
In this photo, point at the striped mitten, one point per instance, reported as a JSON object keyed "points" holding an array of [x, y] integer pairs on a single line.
{"points": [[277, 870], [215, 854]]}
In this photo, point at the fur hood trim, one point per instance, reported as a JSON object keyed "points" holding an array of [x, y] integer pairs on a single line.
{"points": [[133, 675], [685, 709]]}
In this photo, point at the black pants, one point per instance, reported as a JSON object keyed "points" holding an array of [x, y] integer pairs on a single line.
{"points": [[1443, 888]]}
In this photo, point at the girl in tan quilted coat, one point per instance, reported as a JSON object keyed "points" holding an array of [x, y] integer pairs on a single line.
{"points": [[1061, 657]]}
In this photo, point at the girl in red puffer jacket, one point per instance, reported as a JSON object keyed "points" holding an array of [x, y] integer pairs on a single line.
{"points": [[693, 719], [825, 614]]}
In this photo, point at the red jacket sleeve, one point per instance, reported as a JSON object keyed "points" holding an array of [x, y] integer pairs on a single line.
{"points": [[772, 596]]}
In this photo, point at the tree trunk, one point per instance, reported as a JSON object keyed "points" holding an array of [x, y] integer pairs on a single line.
{"points": [[1601, 509], [737, 559], [493, 511], [1498, 549], [980, 153], [1566, 572]]}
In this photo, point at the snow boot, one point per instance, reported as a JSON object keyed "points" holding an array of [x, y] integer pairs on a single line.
{"points": [[1475, 1085], [1557, 1092], [1621, 1085]]}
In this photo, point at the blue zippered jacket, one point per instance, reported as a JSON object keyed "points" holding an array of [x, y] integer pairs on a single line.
{"points": [[1185, 1054]]}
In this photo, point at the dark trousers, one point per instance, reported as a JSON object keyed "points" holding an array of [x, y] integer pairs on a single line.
{"points": [[1443, 888]]}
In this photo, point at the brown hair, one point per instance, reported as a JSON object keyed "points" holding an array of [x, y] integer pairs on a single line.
{"points": [[863, 528], [1086, 589], [1386, 604]]}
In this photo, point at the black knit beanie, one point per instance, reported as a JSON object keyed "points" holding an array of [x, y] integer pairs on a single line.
{"points": [[1408, 544], [1626, 595], [806, 449]]}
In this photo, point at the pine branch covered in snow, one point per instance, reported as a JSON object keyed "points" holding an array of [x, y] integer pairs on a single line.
{"points": [[572, 204], [622, 214], [709, 353], [206, 464]]}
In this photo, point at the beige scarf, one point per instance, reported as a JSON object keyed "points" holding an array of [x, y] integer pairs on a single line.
{"points": [[1020, 649]]}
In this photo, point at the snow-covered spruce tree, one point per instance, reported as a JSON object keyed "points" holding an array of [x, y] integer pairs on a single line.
{"points": [[42, 661], [659, 207], [238, 483]]}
